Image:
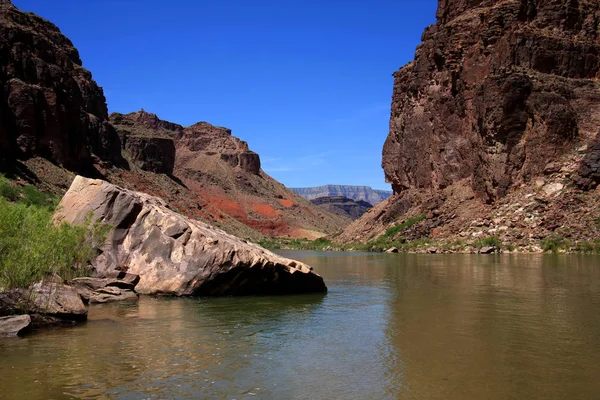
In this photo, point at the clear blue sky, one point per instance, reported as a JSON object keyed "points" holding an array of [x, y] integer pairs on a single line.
{"points": [[307, 83]]}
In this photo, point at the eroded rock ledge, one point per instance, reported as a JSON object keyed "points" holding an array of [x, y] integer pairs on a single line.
{"points": [[175, 255]]}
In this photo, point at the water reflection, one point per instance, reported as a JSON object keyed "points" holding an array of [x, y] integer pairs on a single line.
{"points": [[391, 326]]}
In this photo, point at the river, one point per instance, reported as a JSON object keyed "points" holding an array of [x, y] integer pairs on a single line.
{"points": [[392, 326]]}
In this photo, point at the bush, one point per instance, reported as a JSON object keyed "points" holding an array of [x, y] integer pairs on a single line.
{"points": [[554, 243], [8, 191], [488, 241], [31, 247]]}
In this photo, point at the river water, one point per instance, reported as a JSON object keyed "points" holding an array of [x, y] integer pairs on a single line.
{"points": [[392, 326]]}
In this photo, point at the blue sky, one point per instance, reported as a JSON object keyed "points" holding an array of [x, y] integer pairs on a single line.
{"points": [[307, 83]]}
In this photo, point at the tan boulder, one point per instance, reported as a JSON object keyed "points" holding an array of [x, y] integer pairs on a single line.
{"points": [[174, 254]]}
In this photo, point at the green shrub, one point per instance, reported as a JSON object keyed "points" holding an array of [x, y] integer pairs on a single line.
{"points": [[488, 241], [269, 244], [31, 247], [31, 196], [8, 191], [554, 244]]}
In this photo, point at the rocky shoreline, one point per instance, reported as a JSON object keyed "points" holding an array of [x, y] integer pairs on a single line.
{"points": [[152, 250], [52, 302]]}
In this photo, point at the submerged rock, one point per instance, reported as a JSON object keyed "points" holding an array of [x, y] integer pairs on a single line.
{"points": [[111, 294], [176, 255], [105, 290], [14, 325], [487, 250]]}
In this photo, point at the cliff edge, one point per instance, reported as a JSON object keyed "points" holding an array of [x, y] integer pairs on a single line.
{"points": [[500, 107]]}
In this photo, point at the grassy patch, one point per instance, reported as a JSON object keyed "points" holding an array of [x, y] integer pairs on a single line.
{"points": [[28, 195], [394, 230]]}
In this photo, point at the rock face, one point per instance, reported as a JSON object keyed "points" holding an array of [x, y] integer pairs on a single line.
{"points": [[154, 154], [56, 301], [343, 206], [201, 141], [498, 113], [49, 104], [364, 193], [497, 89], [147, 142], [215, 141], [176, 255]]}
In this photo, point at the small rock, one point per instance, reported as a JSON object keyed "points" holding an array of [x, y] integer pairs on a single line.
{"points": [[553, 188], [112, 294], [14, 325], [432, 250], [487, 250], [552, 168], [392, 250], [131, 279], [539, 183]]}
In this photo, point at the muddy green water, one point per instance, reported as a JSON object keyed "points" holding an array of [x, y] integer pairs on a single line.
{"points": [[391, 327]]}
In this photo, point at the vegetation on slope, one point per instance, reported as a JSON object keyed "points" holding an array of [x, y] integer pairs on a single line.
{"points": [[32, 247]]}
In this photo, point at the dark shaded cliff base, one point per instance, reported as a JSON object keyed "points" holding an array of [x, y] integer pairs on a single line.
{"points": [[494, 128]]}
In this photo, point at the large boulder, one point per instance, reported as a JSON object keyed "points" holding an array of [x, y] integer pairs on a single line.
{"points": [[176, 255], [51, 301]]}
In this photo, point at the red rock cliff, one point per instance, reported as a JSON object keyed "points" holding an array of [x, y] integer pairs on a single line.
{"points": [[498, 88], [49, 104]]}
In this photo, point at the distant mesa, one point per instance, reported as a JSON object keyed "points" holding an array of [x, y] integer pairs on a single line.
{"points": [[354, 209], [365, 193]]}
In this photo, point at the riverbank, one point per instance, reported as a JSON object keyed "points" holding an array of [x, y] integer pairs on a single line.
{"points": [[482, 245]]}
